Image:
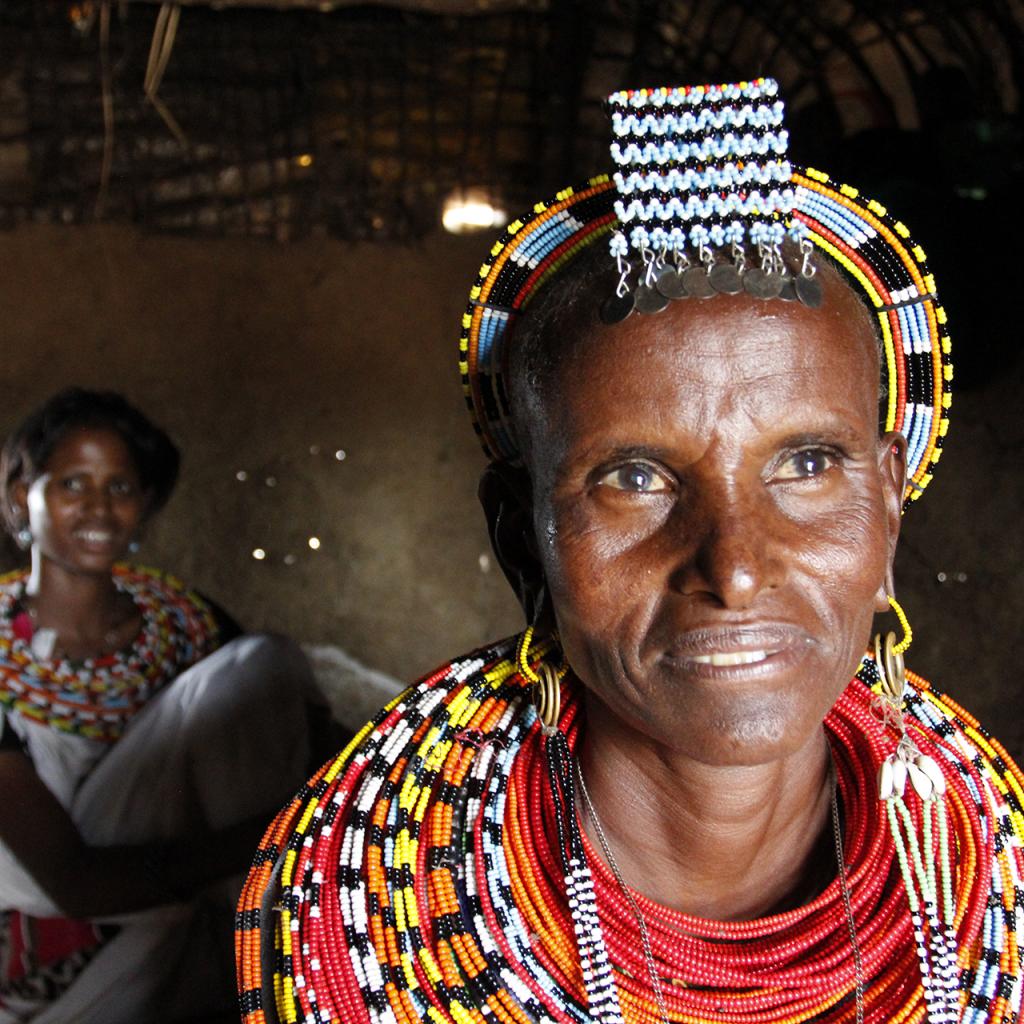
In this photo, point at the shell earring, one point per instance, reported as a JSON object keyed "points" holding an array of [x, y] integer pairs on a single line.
{"points": [[907, 763], [23, 538], [926, 865]]}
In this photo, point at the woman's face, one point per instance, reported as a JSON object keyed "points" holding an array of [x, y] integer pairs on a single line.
{"points": [[715, 517], [88, 504]]}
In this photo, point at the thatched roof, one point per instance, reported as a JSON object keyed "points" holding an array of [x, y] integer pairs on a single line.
{"points": [[282, 117]]}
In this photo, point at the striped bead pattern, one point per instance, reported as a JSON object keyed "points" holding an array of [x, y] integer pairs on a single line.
{"points": [[530, 252], [700, 166], [431, 873], [878, 253]]}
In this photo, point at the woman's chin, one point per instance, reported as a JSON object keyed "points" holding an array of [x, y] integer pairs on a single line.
{"points": [[733, 733], [88, 562]]}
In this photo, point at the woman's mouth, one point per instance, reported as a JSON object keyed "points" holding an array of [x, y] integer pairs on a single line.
{"points": [[750, 647], [95, 538]]}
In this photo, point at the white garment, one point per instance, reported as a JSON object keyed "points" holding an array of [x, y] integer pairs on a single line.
{"points": [[354, 691], [225, 741]]}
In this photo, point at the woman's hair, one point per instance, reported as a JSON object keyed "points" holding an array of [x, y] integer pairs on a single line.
{"points": [[29, 447]]}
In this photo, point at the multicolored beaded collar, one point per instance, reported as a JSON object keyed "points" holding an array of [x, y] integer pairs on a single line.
{"points": [[98, 698], [702, 202], [421, 877]]}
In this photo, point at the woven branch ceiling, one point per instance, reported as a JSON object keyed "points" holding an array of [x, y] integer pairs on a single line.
{"points": [[289, 118], [429, 6]]}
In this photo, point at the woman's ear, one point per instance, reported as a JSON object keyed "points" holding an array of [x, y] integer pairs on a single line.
{"points": [[506, 497], [19, 501], [892, 466]]}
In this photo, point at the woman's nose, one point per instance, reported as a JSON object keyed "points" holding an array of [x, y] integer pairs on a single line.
{"points": [[97, 499], [732, 556]]}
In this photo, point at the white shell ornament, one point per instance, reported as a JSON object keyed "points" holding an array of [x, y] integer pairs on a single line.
{"points": [[931, 768], [922, 783], [899, 775], [885, 786]]}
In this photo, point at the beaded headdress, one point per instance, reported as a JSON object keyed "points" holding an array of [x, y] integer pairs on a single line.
{"points": [[704, 201]]}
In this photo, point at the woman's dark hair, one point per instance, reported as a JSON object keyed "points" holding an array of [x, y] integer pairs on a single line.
{"points": [[29, 447]]}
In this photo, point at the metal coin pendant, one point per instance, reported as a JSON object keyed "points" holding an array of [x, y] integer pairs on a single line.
{"points": [[788, 290], [697, 283], [808, 291], [670, 283], [725, 279], [756, 282], [649, 300], [772, 285], [616, 308]]}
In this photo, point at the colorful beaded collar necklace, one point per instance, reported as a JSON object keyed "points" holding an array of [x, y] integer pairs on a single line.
{"points": [[98, 697], [422, 876]]}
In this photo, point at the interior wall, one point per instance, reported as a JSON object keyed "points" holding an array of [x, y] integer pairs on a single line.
{"points": [[266, 360]]}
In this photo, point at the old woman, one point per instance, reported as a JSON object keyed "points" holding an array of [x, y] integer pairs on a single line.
{"points": [[695, 788]]}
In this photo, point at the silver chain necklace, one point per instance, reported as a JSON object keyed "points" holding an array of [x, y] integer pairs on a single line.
{"points": [[645, 939]]}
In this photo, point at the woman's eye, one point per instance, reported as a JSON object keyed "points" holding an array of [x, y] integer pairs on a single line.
{"points": [[636, 477], [73, 484], [805, 464], [122, 488]]}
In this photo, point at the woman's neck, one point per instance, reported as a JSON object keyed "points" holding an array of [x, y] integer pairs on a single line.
{"points": [[719, 842], [81, 607]]}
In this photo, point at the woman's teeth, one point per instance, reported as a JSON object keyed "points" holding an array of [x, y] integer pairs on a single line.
{"points": [[731, 658], [96, 536]]}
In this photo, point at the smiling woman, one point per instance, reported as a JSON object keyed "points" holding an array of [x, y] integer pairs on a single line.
{"points": [[692, 790], [129, 719]]}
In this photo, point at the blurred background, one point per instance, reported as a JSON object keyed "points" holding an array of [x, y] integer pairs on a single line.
{"points": [[251, 218]]}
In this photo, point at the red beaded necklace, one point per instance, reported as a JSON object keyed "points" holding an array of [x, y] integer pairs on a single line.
{"points": [[793, 966]]}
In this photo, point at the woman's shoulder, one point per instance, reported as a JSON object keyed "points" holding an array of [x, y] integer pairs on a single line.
{"points": [[162, 593], [13, 578], [966, 741], [940, 714], [12, 585], [465, 699]]}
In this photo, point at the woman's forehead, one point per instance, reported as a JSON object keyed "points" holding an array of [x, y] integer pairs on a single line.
{"points": [[711, 367], [716, 337], [90, 442]]}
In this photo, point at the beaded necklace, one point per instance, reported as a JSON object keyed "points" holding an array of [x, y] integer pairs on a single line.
{"points": [[641, 921], [96, 698], [422, 876]]}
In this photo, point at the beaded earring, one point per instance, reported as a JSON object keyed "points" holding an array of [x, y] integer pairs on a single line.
{"points": [[23, 538], [547, 696], [889, 658], [919, 843]]}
